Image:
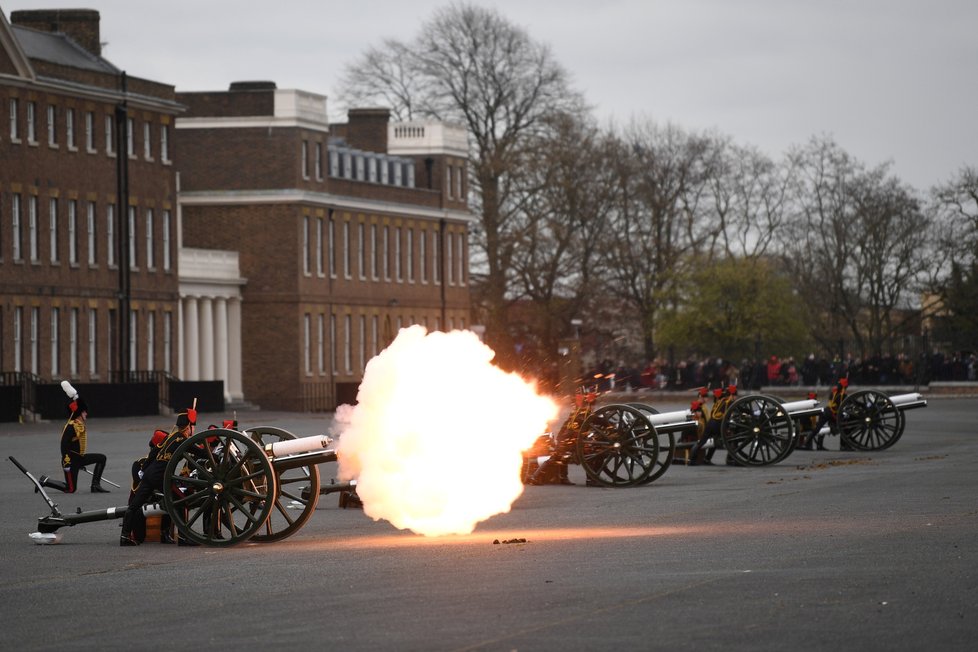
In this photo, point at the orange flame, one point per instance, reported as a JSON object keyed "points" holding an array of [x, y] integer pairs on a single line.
{"points": [[435, 441]]}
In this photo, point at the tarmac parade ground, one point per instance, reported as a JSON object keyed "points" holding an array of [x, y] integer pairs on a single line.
{"points": [[826, 550]]}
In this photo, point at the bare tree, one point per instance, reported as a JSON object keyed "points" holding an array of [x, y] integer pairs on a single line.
{"points": [[661, 222], [471, 66], [384, 75], [856, 244]]}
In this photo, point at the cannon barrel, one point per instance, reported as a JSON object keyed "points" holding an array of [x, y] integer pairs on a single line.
{"points": [[909, 401], [801, 409], [667, 422], [299, 445]]}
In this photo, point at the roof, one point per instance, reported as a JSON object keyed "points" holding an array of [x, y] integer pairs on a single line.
{"points": [[60, 49]]}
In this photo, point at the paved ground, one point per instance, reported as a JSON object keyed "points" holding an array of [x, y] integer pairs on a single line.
{"points": [[869, 551]]}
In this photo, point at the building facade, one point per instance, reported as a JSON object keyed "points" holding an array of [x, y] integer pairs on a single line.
{"points": [[344, 234], [88, 200]]}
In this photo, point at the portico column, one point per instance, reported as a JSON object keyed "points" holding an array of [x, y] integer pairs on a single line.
{"points": [[206, 338], [191, 340], [234, 350], [221, 342]]}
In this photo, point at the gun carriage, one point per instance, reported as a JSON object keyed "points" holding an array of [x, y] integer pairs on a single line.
{"points": [[225, 487]]}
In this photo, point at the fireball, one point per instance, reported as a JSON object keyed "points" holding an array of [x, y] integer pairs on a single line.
{"points": [[435, 441]]}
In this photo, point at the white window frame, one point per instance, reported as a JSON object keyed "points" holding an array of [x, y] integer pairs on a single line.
{"points": [[70, 129], [147, 141], [133, 339], [14, 116], [92, 235], [348, 343], [90, 132], [18, 339], [386, 253], [449, 258], [307, 343], [347, 271], [361, 250], [409, 247], [374, 263], [32, 123], [398, 256], [318, 161], [167, 220], [55, 342], [109, 141], [52, 116], [73, 342], [331, 245], [32, 227], [35, 342], [110, 235], [165, 143], [16, 226], [130, 138], [92, 341], [150, 341], [321, 338], [305, 245], [150, 249], [132, 237], [53, 224], [423, 255], [460, 257], [72, 231], [167, 339], [363, 343], [320, 270]]}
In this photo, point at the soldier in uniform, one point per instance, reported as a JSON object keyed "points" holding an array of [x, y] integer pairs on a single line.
{"points": [[721, 401], [153, 471], [830, 416], [74, 444]]}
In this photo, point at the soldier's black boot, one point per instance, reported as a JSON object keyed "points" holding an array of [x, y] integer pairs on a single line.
{"points": [[127, 540], [98, 488], [52, 484]]}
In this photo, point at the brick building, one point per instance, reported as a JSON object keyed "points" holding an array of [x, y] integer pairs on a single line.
{"points": [[259, 245], [343, 232], [88, 204]]}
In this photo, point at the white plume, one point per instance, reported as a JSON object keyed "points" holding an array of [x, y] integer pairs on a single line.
{"points": [[69, 390]]}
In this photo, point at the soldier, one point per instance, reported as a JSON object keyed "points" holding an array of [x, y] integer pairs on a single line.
{"points": [[152, 479], [74, 442], [721, 401], [830, 416]]}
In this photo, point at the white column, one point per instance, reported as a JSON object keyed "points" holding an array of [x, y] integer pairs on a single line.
{"points": [[191, 343], [206, 338], [181, 342], [235, 389], [221, 342]]}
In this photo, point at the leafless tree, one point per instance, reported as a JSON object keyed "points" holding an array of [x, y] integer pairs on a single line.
{"points": [[471, 66], [662, 220]]}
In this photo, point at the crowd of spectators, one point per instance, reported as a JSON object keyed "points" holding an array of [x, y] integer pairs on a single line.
{"points": [[812, 371]]}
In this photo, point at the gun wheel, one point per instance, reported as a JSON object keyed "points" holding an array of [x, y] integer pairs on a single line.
{"points": [[667, 446], [220, 488], [868, 421], [757, 431], [617, 446], [297, 491]]}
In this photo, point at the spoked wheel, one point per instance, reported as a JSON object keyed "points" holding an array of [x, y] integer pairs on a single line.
{"points": [[617, 446], [221, 488], [757, 431], [868, 421], [667, 445], [297, 491]]}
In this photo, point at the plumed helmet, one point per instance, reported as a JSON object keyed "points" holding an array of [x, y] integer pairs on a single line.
{"points": [[718, 392], [187, 418], [843, 382], [732, 390], [76, 405]]}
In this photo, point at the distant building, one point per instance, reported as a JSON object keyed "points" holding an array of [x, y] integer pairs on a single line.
{"points": [[82, 146], [232, 235], [344, 233]]}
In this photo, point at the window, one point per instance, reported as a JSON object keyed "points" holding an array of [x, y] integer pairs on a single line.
{"points": [[73, 342], [92, 341], [374, 269], [460, 258], [332, 343], [90, 131], [347, 345], [374, 323], [52, 127], [409, 174], [423, 256], [435, 256], [32, 227], [319, 247], [167, 341], [361, 251], [305, 159], [398, 262], [18, 339], [334, 163], [398, 169], [410, 255], [147, 142], [449, 259], [73, 231], [347, 165], [363, 343], [305, 245], [14, 126], [150, 248], [331, 245], [130, 138], [372, 169], [55, 343], [165, 143], [109, 145], [132, 237], [384, 170], [361, 175], [459, 175], [307, 343], [53, 223], [70, 129], [32, 122], [15, 230], [35, 319], [386, 253], [318, 159], [167, 218], [150, 341], [321, 339], [448, 180], [110, 235], [133, 338], [90, 222], [346, 249]]}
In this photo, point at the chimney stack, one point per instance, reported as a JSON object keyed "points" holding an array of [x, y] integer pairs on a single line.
{"points": [[82, 25]]}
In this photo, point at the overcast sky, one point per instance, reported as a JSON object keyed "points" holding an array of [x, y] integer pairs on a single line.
{"points": [[889, 80]]}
